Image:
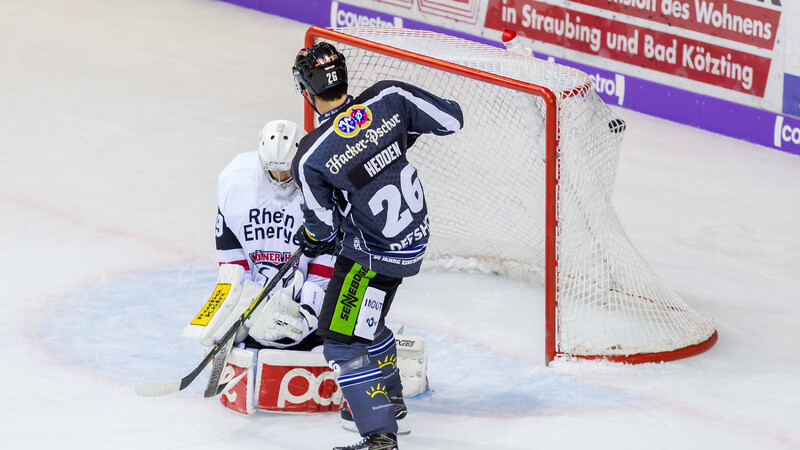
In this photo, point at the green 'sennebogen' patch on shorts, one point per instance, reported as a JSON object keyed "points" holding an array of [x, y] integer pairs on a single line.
{"points": [[349, 304]]}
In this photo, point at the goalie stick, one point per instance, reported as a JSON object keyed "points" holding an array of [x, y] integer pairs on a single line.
{"points": [[230, 384], [148, 389], [216, 371]]}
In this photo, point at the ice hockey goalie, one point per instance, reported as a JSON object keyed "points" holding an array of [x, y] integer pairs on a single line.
{"points": [[277, 362]]}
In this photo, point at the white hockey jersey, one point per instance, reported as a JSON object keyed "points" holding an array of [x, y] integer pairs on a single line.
{"points": [[256, 228]]}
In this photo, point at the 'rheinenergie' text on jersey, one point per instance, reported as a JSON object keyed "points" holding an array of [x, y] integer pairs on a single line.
{"points": [[255, 228], [354, 176]]}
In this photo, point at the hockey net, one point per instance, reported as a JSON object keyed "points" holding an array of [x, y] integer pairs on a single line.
{"points": [[525, 188]]}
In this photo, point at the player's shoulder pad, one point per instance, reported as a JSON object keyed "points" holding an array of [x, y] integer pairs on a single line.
{"points": [[383, 84], [241, 163], [302, 148], [305, 144], [376, 88], [239, 176], [309, 139], [306, 140]]}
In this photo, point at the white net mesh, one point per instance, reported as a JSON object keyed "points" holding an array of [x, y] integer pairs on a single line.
{"points": [[485, 188]]}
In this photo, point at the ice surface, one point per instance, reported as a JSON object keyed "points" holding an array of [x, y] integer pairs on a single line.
{"points": [[115, 119]]}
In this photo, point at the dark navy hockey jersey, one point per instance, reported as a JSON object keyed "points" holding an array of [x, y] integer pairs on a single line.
{"points": [[355, 179]]}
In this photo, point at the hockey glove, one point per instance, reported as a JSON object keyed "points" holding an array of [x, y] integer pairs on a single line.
{"points": [[280, 322], [313, 248]]}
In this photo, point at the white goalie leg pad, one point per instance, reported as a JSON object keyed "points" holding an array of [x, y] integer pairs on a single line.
{"points": [[230, 284], [250, 291], [240, 374], [293, 381], [412, 361]]}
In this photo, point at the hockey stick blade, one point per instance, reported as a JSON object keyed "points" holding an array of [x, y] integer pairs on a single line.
{"points": [[159, 389]]}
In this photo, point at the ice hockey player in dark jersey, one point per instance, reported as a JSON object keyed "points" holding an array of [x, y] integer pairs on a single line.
{"points": [[363, 200]]}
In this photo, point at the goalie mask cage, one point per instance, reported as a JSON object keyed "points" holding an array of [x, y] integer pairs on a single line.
{"points": [[524, 190]]}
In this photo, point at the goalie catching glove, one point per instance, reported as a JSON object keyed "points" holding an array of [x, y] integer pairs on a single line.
{"points": [[288, 316]]}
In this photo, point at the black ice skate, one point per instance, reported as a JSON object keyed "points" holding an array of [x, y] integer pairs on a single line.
{"points": [[380, 441], [400, 411]]}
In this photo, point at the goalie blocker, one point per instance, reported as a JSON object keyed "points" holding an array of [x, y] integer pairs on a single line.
{"points": [[297, 381]]}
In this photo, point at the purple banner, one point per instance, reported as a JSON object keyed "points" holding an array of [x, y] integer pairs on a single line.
{"points": [[781, 132], [314, 12], [344, 15], [708, 113]]}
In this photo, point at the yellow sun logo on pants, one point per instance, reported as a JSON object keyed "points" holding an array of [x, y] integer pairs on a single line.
{"points": [[375, 390], [391, 360]]}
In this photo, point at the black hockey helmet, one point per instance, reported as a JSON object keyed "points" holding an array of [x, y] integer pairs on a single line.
{"points": [[319, 68]]}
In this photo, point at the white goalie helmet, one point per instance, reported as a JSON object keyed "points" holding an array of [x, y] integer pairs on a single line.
{"points": [[278, 145]]}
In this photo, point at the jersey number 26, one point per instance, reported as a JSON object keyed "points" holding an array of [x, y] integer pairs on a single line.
{"points": [[391, 199]]}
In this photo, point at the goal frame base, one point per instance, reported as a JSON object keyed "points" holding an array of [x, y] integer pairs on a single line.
{"points": [[644, 358]]}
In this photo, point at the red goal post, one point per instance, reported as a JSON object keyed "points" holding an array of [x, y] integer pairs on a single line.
{"points": [[583, 301]]}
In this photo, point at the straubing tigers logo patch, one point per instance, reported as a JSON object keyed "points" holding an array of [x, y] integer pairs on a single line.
{"points": [[350, 122]]}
